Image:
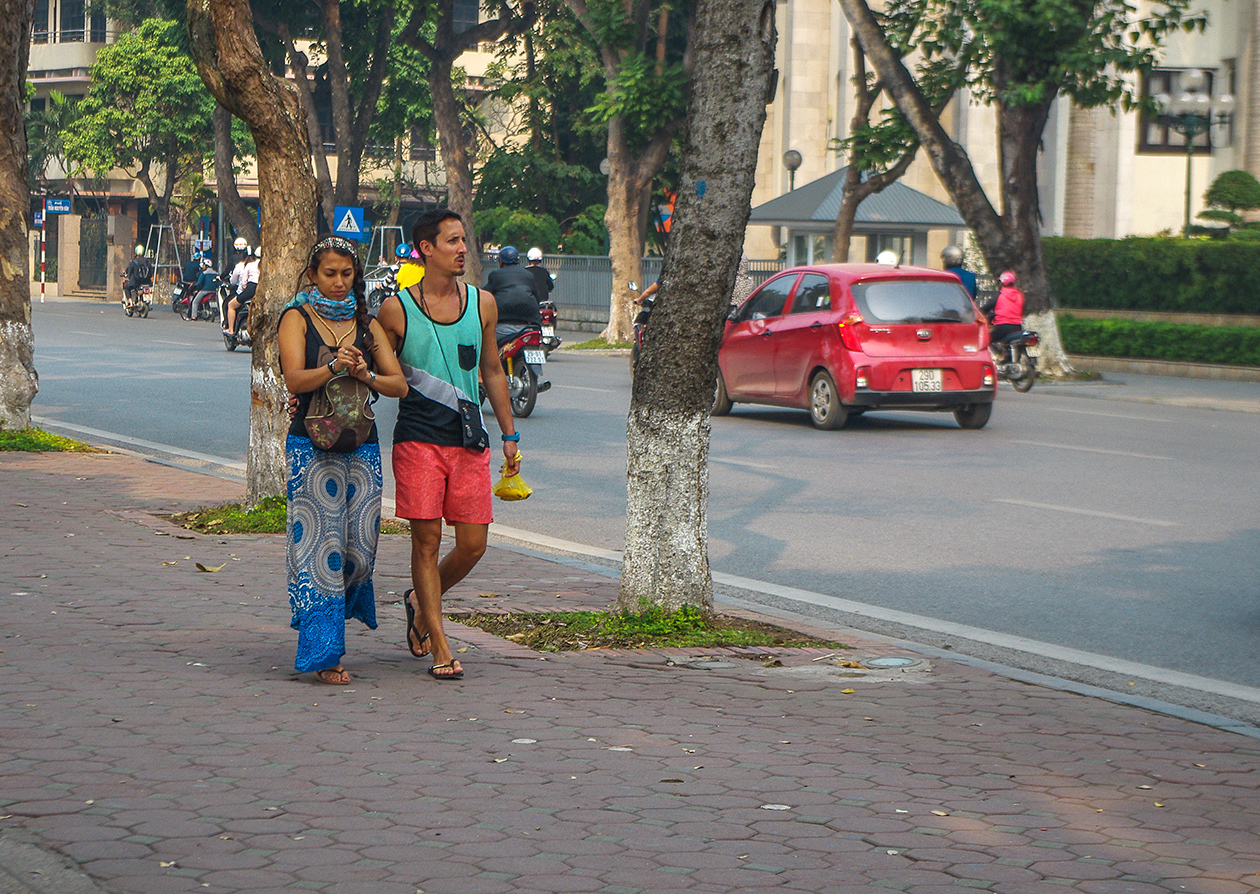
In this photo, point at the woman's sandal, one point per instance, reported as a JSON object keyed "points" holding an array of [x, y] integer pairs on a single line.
{"points": [[458, 675], [411, 629], [333, 676]]}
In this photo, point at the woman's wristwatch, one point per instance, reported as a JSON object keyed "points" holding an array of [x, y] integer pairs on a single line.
{"points": [[330, 366]]}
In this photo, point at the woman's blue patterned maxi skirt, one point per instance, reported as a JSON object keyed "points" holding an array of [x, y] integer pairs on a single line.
{"points": [[333, 521]]}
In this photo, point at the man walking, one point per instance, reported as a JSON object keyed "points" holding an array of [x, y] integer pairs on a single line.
{"points": [[443, 334]]}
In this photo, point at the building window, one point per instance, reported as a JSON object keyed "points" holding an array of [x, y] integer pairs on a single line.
{"points": [[38, 104], [97, 26], [1155, 136], [465, 14], [421, 148], [73, 21], [40, 32]]}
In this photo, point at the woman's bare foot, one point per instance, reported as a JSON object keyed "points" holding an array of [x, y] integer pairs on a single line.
{"points": [[333, 676]]}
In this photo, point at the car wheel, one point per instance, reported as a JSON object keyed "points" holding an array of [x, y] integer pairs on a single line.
{"points": [[973, 415], [721, 400], [825, 409]]}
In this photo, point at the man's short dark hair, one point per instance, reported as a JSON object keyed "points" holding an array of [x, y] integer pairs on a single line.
{"points": [[429, 224]]}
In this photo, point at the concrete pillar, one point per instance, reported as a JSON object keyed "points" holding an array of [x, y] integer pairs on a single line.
{"points": [[120, 238]]}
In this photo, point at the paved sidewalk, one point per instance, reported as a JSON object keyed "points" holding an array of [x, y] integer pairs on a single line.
{"points": [[156, 740]]}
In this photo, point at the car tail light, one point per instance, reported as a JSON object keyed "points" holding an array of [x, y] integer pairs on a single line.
{"points": [[861, 378], [848, 335], [988, 374]]}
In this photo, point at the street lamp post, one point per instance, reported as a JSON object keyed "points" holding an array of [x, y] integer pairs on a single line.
{"points": [[1190, 112], [792, 160]]}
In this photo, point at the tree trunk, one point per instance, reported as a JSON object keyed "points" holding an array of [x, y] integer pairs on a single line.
{"points": [[18, 380], [1009, 241], [666, 556], [221, 36], [455, 157], [302, 79], [234, 209]]}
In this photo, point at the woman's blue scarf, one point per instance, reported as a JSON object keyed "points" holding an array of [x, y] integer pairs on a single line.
{"points": [[327, 308]]}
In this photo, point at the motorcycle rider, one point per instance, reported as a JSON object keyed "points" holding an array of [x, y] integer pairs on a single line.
{"points": [[516, 295], [543, 280], [1008, 313], [207, 282], [245, 283], [952, 259], [139, 273]]}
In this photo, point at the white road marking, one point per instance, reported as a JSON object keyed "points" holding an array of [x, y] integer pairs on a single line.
{"points": [[1092, 450], [584, 388], [739, 462], [81, 332], [1108, 415], [182, 344], [1111, 515]]}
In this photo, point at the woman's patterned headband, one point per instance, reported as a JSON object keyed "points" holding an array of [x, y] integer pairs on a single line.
{"points": [[331, 242]]}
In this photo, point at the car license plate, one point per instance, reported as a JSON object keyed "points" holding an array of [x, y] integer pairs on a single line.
{"points": [[1034, 351], [538, 358], [925, 379], [549, 331]]}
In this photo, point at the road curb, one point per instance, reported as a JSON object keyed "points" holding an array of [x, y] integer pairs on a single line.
{"points": [[1171, 368]]}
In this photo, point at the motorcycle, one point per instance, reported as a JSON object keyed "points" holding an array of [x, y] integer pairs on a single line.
{"points": [[1016, 359], [550, 341], [181, 298], [140, 303], [523, 359], [640, 328], [241, 338]]}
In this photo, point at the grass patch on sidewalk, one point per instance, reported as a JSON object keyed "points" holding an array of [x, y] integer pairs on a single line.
{"points": [[651, 628], [599, 343], [34, 440], [268, 517]]}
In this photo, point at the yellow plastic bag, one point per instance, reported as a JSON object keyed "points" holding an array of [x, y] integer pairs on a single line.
{"points": [[511, 487]]}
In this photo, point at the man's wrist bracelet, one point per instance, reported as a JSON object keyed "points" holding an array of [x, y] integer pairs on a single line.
{"points": [[513, 437]]}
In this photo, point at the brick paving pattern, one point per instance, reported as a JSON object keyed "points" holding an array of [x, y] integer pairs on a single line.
{"points": [[155, 735]]}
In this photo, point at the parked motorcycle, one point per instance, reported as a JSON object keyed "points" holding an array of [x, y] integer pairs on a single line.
{"points": [[523, 359], [241, 338], [140, 303], [181, 297], [1016, 359], [550, 341]]}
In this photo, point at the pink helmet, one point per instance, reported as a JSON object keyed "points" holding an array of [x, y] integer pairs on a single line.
{"points": [[1007, 278]]}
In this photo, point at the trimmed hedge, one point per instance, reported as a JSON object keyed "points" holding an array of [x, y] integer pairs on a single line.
{"points": [[1151, 274], [1222, 345]]}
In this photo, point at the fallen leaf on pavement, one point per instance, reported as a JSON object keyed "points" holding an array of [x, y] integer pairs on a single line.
{"points": [[848, 691], [210, 568], [940, 813], [170, 563]]}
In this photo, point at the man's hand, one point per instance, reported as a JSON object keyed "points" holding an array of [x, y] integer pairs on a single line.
{"points": [[512, 457]]}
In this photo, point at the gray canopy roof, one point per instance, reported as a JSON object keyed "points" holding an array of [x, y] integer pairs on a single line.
{"points": [[818, 203]]}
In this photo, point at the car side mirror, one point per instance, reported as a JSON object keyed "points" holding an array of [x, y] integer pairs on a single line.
{"points": [[733, 315]]}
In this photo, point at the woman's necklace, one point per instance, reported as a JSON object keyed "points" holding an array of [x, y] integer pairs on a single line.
{"points": [[337, 339]]}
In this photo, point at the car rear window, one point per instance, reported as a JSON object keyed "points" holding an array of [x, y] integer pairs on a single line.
{"points": [[914, 301]]}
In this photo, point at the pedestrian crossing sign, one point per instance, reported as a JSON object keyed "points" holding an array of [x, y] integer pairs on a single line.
{"points": [[349, 222]]}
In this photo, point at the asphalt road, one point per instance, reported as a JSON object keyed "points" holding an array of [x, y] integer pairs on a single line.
{"points": [[1119, 519]]}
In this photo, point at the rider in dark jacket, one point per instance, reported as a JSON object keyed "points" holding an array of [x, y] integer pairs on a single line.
{"points": [[515, 292]]}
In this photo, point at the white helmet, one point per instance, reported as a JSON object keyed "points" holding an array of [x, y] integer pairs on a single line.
{"points": [[534, 254], [256, 252], [886, 257], [240, 244]]}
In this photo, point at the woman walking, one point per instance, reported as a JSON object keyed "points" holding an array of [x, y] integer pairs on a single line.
{"points": [[334, 497]]}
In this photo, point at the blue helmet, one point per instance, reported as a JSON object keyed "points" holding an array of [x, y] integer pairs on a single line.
{"points": [[403, 251], [509, 256]]}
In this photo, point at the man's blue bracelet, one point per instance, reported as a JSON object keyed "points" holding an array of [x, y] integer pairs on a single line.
{"points": [[515, 437]]}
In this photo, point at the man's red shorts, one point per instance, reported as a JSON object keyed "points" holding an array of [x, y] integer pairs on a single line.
{"points": [[442, 482]]}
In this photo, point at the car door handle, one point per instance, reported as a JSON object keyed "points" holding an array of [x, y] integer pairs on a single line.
{"points": [[766, 332], [815, 325]]}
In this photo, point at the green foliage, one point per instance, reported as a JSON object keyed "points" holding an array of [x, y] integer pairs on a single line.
{"points": [[1233, 191], [504, 226], [536, 181], [34, 440], [46, 132], [147, 103], [1155, 274], [587, 235], [645, 100], [1228, 345]]}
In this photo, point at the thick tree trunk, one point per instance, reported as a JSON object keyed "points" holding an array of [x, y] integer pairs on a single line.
{"points": [[221, 36], [234, 209], [666, 556], [18, 380], [455, 157]]}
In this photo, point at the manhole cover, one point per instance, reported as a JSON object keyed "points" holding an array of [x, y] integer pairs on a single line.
{"points": [[889, 661]]}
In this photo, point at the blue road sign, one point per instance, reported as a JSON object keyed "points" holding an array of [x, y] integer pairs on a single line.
{"points": [[349, 221], [39, 218], [57, 206]]}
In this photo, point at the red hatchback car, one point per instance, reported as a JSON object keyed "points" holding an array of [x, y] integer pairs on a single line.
{"points": [[840, 339]]}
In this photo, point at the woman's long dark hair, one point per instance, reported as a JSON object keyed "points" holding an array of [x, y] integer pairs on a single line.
{"points": [[358, 287]]}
